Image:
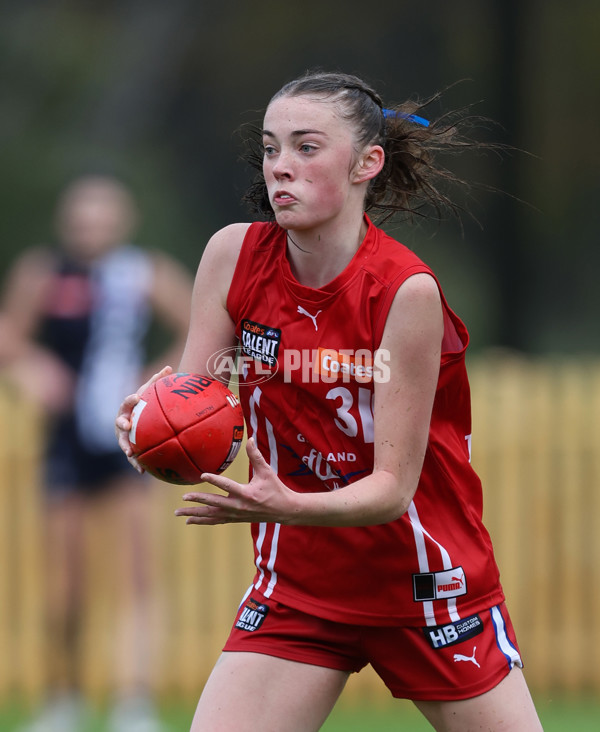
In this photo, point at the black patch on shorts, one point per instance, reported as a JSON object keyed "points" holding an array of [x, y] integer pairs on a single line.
{"points": [[442, 636], [252, 615]]}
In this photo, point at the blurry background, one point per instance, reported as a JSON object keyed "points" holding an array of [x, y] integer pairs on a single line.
{"points": [[154, 92]]}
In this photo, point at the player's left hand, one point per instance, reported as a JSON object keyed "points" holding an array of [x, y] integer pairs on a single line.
{"points": [[264, 498], [123, 418]]}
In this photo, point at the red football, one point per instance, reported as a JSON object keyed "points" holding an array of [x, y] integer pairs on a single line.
{"points": [[185, 425]]}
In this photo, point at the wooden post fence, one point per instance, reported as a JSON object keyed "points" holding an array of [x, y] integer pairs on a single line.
{"points": [[536, 428]]}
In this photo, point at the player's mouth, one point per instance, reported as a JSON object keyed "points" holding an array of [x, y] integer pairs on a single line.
{"points": [[283, 198]]}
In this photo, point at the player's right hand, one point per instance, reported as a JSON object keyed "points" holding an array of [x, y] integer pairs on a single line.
{"points": [[123, 419]]}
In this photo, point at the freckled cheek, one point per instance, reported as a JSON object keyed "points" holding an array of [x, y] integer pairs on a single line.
{"points": [[326, 192], [324, 184]]}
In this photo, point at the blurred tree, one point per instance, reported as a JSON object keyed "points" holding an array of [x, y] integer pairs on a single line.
{"points": [[510, 254]]}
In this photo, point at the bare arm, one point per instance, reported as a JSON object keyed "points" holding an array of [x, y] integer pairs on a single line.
{"points": [[32, 368], [170, 295], [210, 327], [24, 292], [403, 405]]}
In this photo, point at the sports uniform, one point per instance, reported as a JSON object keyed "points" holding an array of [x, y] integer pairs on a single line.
{"points": [[310, 364], [95, 319]]}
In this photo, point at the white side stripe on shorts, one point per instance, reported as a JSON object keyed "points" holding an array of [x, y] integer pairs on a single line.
{"points": [[246, 595], [504, 644]]}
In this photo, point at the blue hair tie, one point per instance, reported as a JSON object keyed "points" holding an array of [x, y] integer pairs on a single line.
{"points": [[410, 117]]}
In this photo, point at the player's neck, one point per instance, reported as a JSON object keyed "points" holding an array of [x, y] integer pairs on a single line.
{"points": [[316, 258]]}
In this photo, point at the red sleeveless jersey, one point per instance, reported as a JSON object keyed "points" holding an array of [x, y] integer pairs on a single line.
{"points": [[310, 363]]}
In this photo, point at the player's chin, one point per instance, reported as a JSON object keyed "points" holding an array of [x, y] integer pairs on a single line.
{"points": [[286, 217]]}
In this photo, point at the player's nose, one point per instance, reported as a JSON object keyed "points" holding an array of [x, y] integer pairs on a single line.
{"points": [[283, 166]]}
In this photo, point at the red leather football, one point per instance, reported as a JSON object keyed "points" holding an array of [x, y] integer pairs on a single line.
{"points": [[185, 425]]}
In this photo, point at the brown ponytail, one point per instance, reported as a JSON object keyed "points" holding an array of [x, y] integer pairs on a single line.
{"points": [[413, 180]]}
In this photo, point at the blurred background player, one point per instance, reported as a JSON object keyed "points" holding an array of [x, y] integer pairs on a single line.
{"points": [[76, 316]]}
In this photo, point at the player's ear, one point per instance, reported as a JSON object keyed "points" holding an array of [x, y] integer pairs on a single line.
{"points": [[369, 164]]}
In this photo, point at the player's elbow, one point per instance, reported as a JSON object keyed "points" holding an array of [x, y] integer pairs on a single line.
{"points": [[398, 495]]}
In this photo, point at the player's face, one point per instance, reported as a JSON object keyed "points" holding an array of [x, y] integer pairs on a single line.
{"points": [[308, 160]]}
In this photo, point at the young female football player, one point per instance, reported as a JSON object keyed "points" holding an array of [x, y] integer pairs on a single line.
{"points": [[365, 511]]}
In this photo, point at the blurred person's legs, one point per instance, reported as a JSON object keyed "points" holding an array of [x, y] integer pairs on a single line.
{"points": [[98, 548], [65, 560], [64, 566], [128, 509]]}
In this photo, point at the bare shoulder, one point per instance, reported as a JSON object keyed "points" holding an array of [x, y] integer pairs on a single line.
{"points": [[219, 259], [420, 286], [218, 262], [416, 310], [226, 243], [418, 299]]}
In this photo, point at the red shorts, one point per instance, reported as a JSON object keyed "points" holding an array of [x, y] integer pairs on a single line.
{"points": [[445, 662]]}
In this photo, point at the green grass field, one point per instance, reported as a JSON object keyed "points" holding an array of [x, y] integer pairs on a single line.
{"points": [[556, 715]]}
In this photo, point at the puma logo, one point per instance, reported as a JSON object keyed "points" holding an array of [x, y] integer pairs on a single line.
{"points": [[460, 657], [302, 311]]}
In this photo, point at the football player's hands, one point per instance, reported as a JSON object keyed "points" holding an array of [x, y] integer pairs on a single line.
{"points": [[123, 419], [265, 498]]}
